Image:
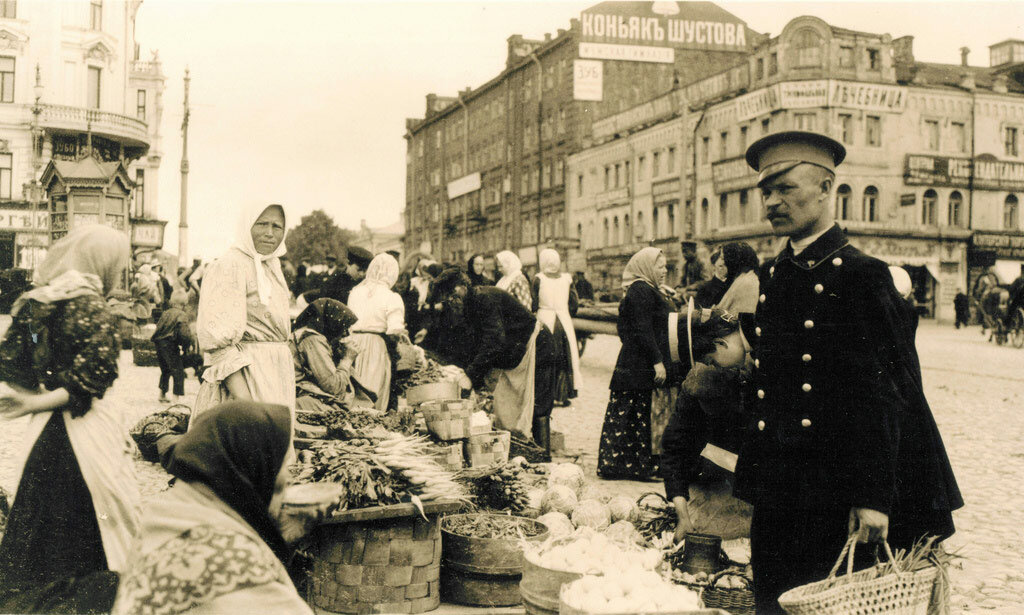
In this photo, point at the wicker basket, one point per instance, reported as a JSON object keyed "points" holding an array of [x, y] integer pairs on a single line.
{"points": [[488, 448], [434, 391], [736, 600], [864, 592], [448, 420], [450, 457], [144, 352], [381, 566]]}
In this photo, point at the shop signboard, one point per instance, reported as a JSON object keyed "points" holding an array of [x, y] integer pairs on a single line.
{"points": [[757, 102], [732, 174], [463, 185], [867, 96], [908, 200], [678, 25], [1003, 245], [588, 80], [21, 219], [804, 94], [821, 93], [659, 108], [148, 233], [989, 173], [629, 53]]}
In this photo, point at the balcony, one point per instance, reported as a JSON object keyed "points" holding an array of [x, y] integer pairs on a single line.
{"points": [[126, 130]]}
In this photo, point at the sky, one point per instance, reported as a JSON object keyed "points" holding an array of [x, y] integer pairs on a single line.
{"points": [[304, 103]]}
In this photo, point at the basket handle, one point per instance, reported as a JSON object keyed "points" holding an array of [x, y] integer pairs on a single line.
{"points": [[643, 497], [848, 551]]}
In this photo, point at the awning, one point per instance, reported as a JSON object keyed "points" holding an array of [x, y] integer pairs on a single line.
{"points": [[1007, 271], [933, 269]]}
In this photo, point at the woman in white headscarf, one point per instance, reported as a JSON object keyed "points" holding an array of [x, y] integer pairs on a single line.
{"points": [[381, 315], [512, 279], [77, 499], [243, 323], [555, 302]]}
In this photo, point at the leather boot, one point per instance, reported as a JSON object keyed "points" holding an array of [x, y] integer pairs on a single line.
{"points": [[542, 435]]}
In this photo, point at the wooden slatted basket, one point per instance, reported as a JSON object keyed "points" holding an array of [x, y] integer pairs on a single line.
{"points": [[488, 448], [448, 420]]}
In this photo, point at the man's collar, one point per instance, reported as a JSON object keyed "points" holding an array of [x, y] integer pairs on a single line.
{"points": [[833, 239]]}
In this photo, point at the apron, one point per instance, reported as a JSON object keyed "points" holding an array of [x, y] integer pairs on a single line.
{"points": [[553, 303], [513, 394]]}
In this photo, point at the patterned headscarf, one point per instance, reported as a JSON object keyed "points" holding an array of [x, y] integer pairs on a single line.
{"points": [[237, 450], [326, 316], [243, 242], [511, 266], [640, 268], [550, 262], [88, 260], [382, 272]]}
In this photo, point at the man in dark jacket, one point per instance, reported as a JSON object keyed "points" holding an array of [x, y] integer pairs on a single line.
{"points": [[584, 289], [841, 438], [340, 283], [501, 330]]}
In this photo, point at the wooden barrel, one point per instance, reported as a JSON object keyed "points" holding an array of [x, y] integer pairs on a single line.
{"points": [[540, 587], [482, 571]]}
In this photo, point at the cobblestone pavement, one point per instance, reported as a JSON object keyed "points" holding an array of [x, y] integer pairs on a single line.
{"points": [[975, 388]]}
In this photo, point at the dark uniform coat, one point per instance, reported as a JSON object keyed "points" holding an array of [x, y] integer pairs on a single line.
{"points": [[837, 417]]}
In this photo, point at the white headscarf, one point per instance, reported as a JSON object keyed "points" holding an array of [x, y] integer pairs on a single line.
{"points": [[511, 267], [382, 272], [550, 262], [243, 242]]}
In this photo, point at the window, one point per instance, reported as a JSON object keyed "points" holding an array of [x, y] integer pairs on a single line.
{"points": [[804, 121], [140, 194], [605, 238], [655, 164], [437, 139], [704, 215], [743, 206], [627, 231], [873, 130], [959, 136], [654, 223], [641, 167], [723, 209], [874, 59], [615, 231], [9, 9], [723, 145], [846, 128], [140, 105], [843, 202], [671, 220], [96, 15], [627, 179], [773, 64], [760, 68], [806, 48], [6, 79], [93, 100], [846, 57], [5, 175], [931, 134], [1009, 139], [928, 213], [547, 174], [579, 185], [956, 207], [671, 159], [766, 125], [871, 204], [743, 138], [1011, 221], [607, 177], [705, 151]]}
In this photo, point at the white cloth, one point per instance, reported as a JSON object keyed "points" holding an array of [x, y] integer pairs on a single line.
{"points": [[553, 303], [514, 394], [741, 296], [244, 244], [100, 441], [511, 267], [378, 309], [372, 367]]}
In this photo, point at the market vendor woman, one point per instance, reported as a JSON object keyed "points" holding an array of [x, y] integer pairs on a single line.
{"points": [[509, 340]]}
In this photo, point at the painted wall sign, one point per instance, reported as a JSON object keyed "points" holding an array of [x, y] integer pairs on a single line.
{"points": [[630, 53], [587, 80], [923, 170], [682, 25], [463, 185]]}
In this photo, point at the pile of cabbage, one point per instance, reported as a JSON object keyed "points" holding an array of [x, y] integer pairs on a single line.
{"points": [[564, 507]]}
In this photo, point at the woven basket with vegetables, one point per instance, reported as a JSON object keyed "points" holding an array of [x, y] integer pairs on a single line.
{"points": [[729, 590]]}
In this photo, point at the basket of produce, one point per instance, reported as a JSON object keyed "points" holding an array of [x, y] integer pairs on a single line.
{"points": [[434, 391], [482, 557], [729, 590], [635, 591], [497, 487], [144, 351], [449, 456], [448, 420], [488, 448], [145, 433]]}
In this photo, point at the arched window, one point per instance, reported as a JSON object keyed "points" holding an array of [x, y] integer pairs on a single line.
{"points": [[870, 204], [627, 231], [671, 220], [704, 216], [615, 231], [579, 232], [605, 238], [641, 232], [805, 48], [928, 207], [956, 207], [843, 195], [723, 209], [654, 224], [1011, 215]]}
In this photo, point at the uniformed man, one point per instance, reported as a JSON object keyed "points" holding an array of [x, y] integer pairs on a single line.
{"points": [[841, 438]]}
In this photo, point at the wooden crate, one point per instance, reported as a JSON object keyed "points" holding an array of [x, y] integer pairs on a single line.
{"points": [[488, 448]]}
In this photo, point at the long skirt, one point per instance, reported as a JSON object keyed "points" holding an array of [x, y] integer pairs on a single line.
{"points": [[373, 366], [565, 385], [625, 450], [269, 378]]}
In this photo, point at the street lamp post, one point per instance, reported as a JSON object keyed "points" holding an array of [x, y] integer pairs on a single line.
{"points": [[35, 188]]}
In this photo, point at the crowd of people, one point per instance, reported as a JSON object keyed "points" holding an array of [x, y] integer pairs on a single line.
{"points": [[795, 382]]}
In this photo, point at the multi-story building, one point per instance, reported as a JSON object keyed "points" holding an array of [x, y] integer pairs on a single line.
{"points": [[933, 175], [486, 168], [72, 84]]}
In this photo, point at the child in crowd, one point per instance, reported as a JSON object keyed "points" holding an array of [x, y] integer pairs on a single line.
{"points": [[172, 339]]}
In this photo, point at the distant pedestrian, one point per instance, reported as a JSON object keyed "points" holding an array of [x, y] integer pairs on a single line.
{"points": [[512, 278], [475, 268], [173, 340], [740, 263], [962, 307], [708, 293], [584, 289], [379, 328], [555, 303]]}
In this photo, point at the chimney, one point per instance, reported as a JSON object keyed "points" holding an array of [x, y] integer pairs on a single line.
{"points": [[430, 104], [964, 51], [903, 50], [967, 80], [561, 32], [547, 37], [1000, 83]]}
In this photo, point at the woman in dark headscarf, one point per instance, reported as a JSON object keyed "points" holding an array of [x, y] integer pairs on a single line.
{"points": [[742, 286], [212, 543], [475, 269], [323, 366]]}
